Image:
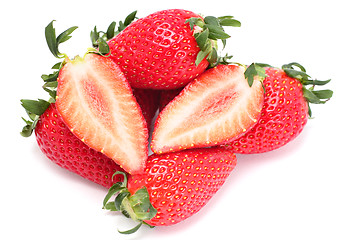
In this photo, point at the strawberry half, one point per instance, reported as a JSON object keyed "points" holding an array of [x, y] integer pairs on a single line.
{"points": [[216, 107], [96, 102]]}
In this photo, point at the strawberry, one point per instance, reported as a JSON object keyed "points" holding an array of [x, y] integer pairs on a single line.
{"points": [[285, 110], [163, 51], [174, 186], [62, 147], [96, 102], [217, 106]]}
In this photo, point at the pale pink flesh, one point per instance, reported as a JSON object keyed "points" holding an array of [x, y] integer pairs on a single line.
{"points": [[96, 103], [215, 108]]}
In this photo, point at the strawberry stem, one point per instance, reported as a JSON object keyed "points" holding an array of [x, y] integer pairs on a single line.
{"points": [[206, 32], [297, 71], [312, 96], [136, 206]]}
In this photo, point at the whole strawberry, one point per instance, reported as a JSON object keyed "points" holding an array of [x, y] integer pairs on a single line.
{"points": [[163, 51], [174, 186], [62, 147], [285, 111]]}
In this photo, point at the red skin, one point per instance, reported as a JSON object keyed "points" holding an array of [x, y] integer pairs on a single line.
{"points": [[283, 117], [181, 183], [158, 51], [62, 147]]}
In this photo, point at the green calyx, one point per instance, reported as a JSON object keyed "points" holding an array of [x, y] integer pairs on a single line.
{"points": [[206, 32], [135, 206], [99, 38], [297, 71], [255, 69], [35, 108], [54, 42]]}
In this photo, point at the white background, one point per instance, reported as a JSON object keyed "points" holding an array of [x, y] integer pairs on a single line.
{"points": [[291, 193]]}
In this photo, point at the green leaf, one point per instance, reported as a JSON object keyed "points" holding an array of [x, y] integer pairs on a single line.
{"points": [[253, 70], [212, 58], [30, 125], [51, 88], [316, 82], [50, 77], [225, 60], [53, 42], [310, 96], [111, 206], [50, 37], [57, 66], [210, 20], [115, 188], [133, 230], [309, 110], [141, 205], [111, 30], [297, 74], [64, 36], [323, 94], [121, 196], [124, 183], [202, 39], [216, 32], [263, 65], [35, 107], [28, 129], [94, 37], [229, 21], [224, 43], [103, 46], [202, 55], [193, 21], [130, 18], [290, 66]]}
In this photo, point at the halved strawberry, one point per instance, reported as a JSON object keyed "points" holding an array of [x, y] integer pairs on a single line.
{"points": [[96, 102], [217, 106]]}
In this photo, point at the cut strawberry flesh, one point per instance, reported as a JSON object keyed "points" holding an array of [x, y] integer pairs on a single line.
{"points": [[96, 102], [216, 107]]}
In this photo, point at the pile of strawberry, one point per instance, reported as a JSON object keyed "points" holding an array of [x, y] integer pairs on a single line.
{"points": [[100, 114]]}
